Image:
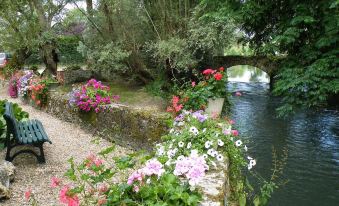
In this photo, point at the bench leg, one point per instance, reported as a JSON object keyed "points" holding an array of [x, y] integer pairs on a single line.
{"points": [[41, 157], [8, 153]]}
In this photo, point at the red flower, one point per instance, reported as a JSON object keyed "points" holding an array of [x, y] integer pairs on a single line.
{"points": [[208, 71], [221, 69], [218, 76], [193, 84]]}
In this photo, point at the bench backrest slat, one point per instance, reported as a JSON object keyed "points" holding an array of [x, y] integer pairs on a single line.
{"points": [[10, 119]]}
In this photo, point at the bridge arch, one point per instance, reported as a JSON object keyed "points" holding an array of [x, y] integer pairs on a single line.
{"points": [[264, 63]]}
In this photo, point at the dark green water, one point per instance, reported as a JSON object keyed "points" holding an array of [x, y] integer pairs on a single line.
{"points": [[311, 138]]}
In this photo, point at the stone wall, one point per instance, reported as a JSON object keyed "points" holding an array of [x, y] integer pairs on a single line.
{"points": [[134, 128]]}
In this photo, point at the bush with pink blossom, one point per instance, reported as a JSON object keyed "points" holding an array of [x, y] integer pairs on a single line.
{"points": [[93, 96]]}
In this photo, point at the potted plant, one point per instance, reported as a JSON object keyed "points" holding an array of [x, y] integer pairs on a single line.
{"points": [[215, 83]]}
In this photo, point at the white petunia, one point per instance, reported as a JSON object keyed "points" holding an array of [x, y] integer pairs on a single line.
{"points": [[189, 145], [170, 146], [204, 130], [181, 123], [220, 157], [171, 131], [211, 152], [217, 135], [161, 150], [194, 152], [207, 144], [181, 144], [253, 162], [249, 167], [181, 157], [194, 130], [245, 148], [249, 158], [220, 143], [168, 163], [238, 143], [148, 181], [205, 156]]}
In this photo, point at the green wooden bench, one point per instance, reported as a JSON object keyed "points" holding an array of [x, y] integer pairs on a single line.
{"points": [[30, 132]]}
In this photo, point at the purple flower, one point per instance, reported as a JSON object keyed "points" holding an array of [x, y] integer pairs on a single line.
{"points": [[201, 117]]}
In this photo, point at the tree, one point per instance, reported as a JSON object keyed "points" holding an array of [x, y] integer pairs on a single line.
{"points": [[306, 32]]}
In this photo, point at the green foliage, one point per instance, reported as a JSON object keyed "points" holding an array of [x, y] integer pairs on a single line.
{"points": [[18, 113], [67, 50]]}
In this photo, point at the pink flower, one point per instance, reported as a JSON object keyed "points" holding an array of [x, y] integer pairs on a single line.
{"points": [[137, 175], [231, 121], [208, 71], [153, 167], [235, 132], [193, 84], [136, 188], [227, 131], [28, 194], [103, 188], [238, 94], [65, 198], [98, 162], [55, 182], [102, 201]]}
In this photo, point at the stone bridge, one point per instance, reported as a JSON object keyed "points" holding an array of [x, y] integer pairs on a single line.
{"points": [[266, 64]]}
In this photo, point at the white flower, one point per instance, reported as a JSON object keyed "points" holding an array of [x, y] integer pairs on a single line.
{"points": [[238, 143], [194, 130], [181, 157], [208, 144], [245, 148], [194, 152], [220, 143], [181, 123], [171, 153], [181, 144], [205, 156], [161, 150], [220, 157], [211, 152], [249, 167], [189, 145], [217, 135], [175, 123], [204, 130], [249, 158], [170, 146], [171, 131], [253, 162], [148, 181]]}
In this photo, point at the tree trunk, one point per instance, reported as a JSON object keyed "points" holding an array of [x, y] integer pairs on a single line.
{"points": [[47, 51], [109, 21], [89, 6]]}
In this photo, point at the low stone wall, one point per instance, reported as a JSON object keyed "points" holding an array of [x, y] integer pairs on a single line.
{"points": [[134, 128]]}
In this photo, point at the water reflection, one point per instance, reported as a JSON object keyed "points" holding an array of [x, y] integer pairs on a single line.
{"points": [[245, 73], [311, 137]]}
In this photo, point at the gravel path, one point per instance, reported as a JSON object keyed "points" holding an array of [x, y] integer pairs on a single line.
{"points": [[69, 140]]}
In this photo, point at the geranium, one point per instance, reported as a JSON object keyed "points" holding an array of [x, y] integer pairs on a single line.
{"points": [[176, 106], [218, 76], [67, 198], [28, 194], [55, 182], [208, 71]]}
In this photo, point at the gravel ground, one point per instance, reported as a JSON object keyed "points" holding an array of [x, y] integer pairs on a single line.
{"points": [[69, 140]]}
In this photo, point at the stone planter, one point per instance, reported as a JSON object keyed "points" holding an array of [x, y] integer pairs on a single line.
{"points": [[214, 106], [89, 117]]}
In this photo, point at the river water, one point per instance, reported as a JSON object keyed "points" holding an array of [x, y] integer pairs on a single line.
{"points": [[310, 137]]}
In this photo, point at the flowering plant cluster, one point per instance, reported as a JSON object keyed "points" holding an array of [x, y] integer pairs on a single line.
{"points": [[39, 91], [194, 96], [93, 96], [24, 84], [12, 87], [93, 182], [212, 138]]}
